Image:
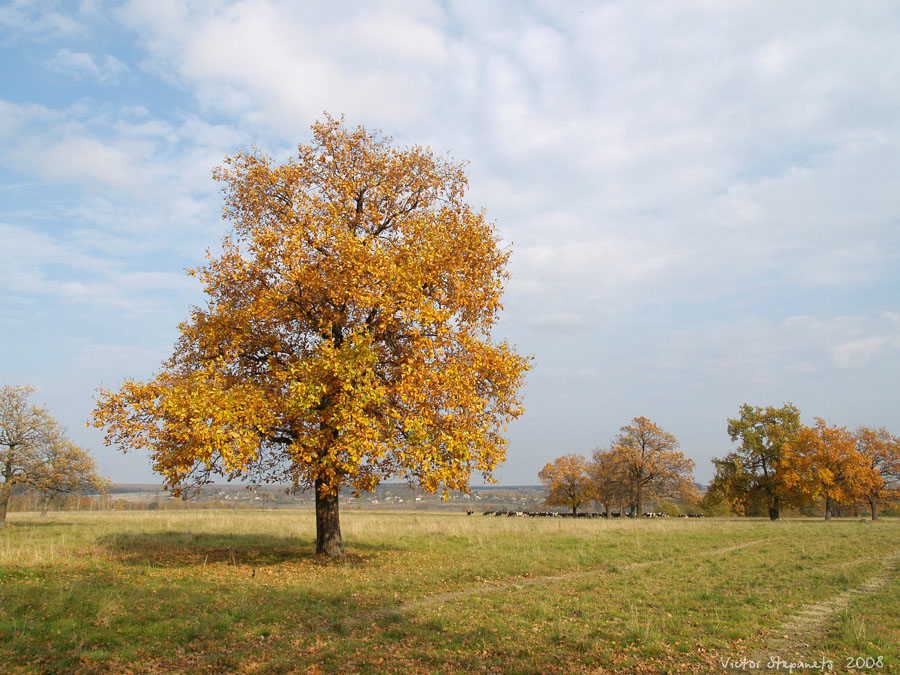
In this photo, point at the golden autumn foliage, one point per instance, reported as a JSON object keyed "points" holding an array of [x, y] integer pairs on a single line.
{"points": [[822, 462], [882, 452], [651, 464], [346, 334], [568, 482], [643, 463], [608, 479]]}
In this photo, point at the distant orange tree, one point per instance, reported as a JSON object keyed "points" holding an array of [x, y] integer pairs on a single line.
{"points": [[568, 482], [346, 335], [651, 464], [881, 451], [608, 479], [823, 463]]}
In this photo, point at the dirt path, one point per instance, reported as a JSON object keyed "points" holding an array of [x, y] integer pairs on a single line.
{"points": [[525, 582], [796, 639]]}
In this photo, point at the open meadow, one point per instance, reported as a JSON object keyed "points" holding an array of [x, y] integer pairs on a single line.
{"points": [[242, 592]]}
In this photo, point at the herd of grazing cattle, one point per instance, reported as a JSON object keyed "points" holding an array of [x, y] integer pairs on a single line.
{"points": [[584, 514]]}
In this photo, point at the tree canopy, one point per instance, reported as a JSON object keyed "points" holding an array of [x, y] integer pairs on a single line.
{"points": [[881, 451], [35, 452], [651, 463], [568, 482], [66, 468], [608, 479], [822, 462], [346, 335], [643, 463], [749, 476]]}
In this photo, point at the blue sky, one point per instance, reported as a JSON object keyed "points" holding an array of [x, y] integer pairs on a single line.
{"points": [[702, 198]]}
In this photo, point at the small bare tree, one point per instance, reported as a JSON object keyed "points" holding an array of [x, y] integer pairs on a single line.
{"points": [[35, 452]]}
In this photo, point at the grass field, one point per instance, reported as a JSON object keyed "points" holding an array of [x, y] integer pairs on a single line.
{"points": [[225, 591]]}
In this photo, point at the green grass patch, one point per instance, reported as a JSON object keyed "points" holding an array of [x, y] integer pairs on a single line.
{"points": [[242, 592]]}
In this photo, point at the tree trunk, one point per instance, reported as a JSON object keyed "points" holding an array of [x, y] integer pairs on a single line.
{"points": [[638, 508], [874, 509], [328, 524], [775, 508], [827, 508], [47, 505], [574, 510], [5, 491], [607, 509]]}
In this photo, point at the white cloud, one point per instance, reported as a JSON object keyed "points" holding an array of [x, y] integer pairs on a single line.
{"points": [[264, 61], [80, 276], [861, 351], [85, 160], [137, 174], [108, 71], [25, 18]]}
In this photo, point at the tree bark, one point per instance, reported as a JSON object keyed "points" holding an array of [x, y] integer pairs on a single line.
{"points": [[5, 491], [46, 505], [607, 509], [827, 508], [874, 509], [638, 508], [574, 510], [328, 524], [775, 509]]}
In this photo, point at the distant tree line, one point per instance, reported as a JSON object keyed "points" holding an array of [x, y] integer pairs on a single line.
{"points": [[781, 463], [23, 499], [642, 464], [778, 463]]}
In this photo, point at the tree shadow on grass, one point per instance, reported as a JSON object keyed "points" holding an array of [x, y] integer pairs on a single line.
{"points": [[38, 523], [103, 619], [186, 549]]}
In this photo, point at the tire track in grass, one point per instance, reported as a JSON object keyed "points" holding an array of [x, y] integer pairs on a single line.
{"points": [[794, 641], [519, 583]]}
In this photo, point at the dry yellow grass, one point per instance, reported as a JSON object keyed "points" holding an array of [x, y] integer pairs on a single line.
{"points": [[240, 591]]}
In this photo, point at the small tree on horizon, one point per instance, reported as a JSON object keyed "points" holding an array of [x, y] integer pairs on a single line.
{"points": [[568, 482], [749, 475], [35, 453], [882, 452], [65, 469], [608, 479], [822, 462], [651, 463]]}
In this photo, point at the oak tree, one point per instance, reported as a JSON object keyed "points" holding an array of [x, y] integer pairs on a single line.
{"points": [[651, 463], [882, 452], [607, 478], [35, 452], [24, 430], [65, 468], [734, 485], [749, 475], [346, 335], [568, 482], [822, 462]]}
